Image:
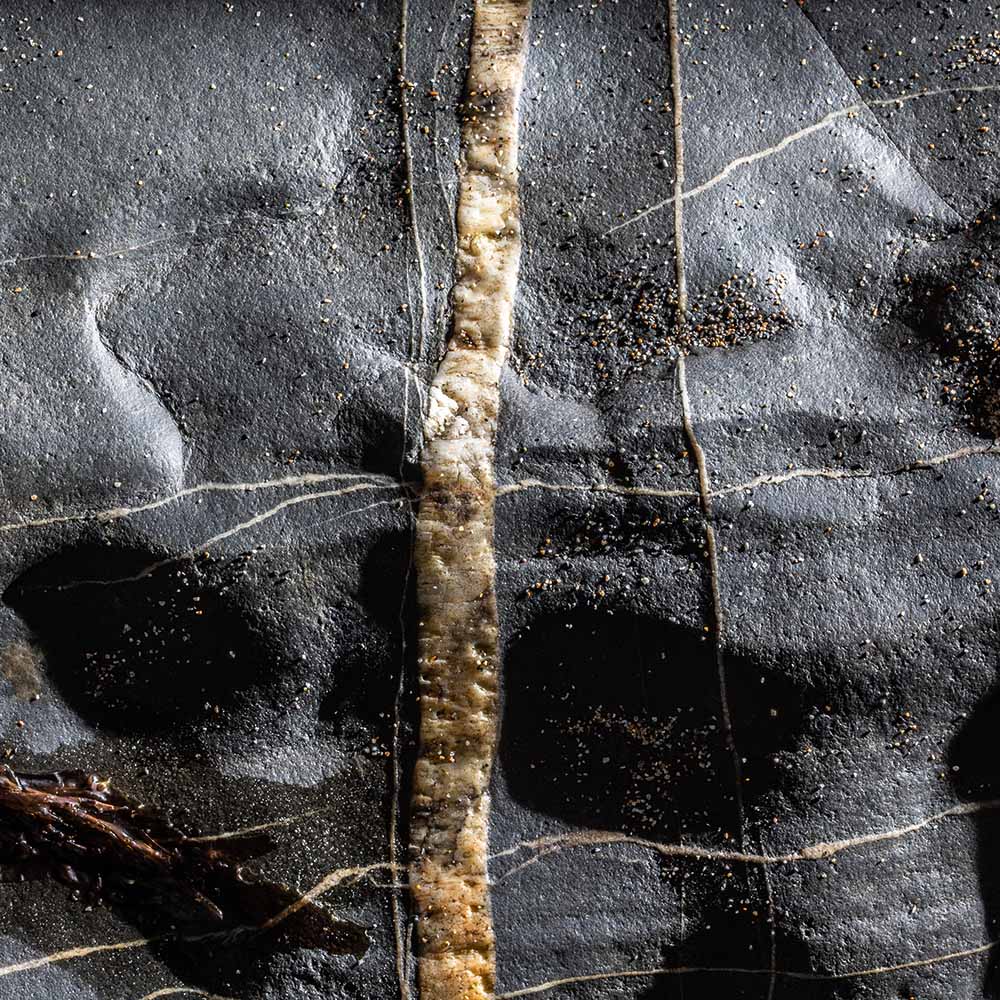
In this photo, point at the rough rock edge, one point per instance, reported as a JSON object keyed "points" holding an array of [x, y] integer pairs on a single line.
{"points": [[457, 625]]}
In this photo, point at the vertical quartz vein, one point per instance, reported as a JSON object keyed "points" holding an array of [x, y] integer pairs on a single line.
{"points": [[456, 600]]}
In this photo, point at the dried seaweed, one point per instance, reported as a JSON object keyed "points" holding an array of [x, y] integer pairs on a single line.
{"points": [[73, 827]]}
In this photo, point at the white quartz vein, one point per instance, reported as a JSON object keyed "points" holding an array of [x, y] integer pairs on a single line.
{"points": [[818, 851], [70, 953], [82, 255], [520, 486], [802, 133], [116, 513], [679, 970], [236, 529], [169, 991], [273, 824], [324, 885], [813, 852], [328, 882], [645, 491], [764, 479]]}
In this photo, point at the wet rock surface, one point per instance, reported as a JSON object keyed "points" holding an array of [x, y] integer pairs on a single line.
{"points": [[216, 331]]}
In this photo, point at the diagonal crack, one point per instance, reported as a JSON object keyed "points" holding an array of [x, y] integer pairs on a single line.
{"points": [[169, 991], [325, 885], [886, 135], [772, 973], [850, 111], [236, 529], [116, 513]]}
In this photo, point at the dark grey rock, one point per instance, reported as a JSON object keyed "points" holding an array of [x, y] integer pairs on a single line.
{"points": [[252, 315]]}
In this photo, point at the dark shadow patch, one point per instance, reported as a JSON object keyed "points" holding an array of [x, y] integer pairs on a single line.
{"points": [[950, 298], [614, 722], [368, 426], [148, 655], [377, 667], [729, 930], [955, 316], [387, 578], [975, 777], [363, 689]]}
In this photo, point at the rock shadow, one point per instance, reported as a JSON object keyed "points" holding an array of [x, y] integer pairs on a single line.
{"points": [[149, 654], [975, 777]]}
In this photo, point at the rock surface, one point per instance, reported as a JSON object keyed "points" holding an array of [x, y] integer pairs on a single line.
{"points": [[211, 302]]}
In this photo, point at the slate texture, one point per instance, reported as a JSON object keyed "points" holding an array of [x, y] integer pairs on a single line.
{"points": [[214, 327]]}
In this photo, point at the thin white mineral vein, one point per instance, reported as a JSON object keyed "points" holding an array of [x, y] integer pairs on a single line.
{"points": [[454, 558]]}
